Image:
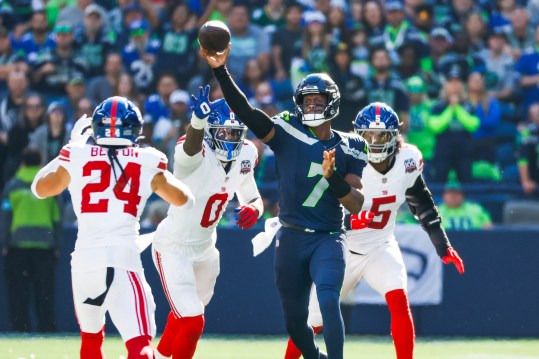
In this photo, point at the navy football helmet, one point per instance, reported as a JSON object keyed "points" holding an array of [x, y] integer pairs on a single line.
{"points": [[117, 122], [224, 132], [317, 84], [379, 125]]}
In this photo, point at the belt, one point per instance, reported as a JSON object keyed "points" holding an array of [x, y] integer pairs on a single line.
{"points": [[304, 229]]}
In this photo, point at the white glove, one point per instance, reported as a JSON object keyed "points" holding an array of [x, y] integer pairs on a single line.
{"points": [[82, 129], [263, 239]]}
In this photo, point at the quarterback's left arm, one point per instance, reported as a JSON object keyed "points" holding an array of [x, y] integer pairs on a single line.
{"points": [[348, 189], [422, 205], [251, 205]]}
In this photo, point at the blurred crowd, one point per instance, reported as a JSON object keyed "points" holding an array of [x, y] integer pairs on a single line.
{"points": [[463, 75]]}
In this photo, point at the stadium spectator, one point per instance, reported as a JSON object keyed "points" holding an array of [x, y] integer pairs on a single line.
{"points": [[383, 86], [125, 87], [37, 41], [102, 87], [30, 230], [31, 117], [528, 154], [337, 25], [75, 90], [476, 28], [178, 38], [10, 61], [527, 67], [264, 99], [74, 13], [284, 42], [139, 55], [180, 113], [270, 16], [453, 121], [84, 107], [216, 10], [500, 74], [360, 51], [314, 53], [399, 31], [487, 109], [94, 40], [419, 134], [522, 33], [52, 71], [157, 112], [440, 43], [373, 18], [460, 214], [249, 41], [127, 12], [352, 87], [51, 136]]}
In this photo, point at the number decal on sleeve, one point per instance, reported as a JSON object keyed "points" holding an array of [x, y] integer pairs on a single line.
{"points": [[320, 187], [386, 214], [131, 197], [213, 209]]}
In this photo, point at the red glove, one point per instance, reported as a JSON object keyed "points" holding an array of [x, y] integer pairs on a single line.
{"points": [[246, 216], [453, 257], [361, 220]]}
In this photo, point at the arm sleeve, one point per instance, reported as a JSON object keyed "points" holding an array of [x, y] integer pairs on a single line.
{"points": [[49, 167], [438, 123], [469, 121], [257, 121], [422, 205], [184, 164]]}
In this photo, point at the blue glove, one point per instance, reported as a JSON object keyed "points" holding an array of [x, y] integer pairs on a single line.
{"points": [[201, 105]]}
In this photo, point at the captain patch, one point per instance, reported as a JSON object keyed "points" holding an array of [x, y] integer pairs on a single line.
{"points": [[245, 167], [409, 165]]}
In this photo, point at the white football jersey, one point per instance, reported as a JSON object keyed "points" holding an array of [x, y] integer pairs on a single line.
{"points": [[213, 188], [108, 207], [384, 194]]}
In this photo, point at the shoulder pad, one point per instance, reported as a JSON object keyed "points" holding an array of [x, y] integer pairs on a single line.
{"points": [[285, 115]]}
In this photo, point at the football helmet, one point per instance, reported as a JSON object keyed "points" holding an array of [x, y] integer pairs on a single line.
{"points": [[317, 84], [379, 125], [224, 132], [117, 122]]}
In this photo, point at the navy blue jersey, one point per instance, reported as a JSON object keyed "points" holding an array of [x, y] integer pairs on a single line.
{"points": [[305, 198]]}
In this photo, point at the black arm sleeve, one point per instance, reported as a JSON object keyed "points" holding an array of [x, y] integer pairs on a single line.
{"points": [[422, 205], [257, 121]]}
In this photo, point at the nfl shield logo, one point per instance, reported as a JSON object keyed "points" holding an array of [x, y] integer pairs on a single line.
{"points": [[245, 167]]}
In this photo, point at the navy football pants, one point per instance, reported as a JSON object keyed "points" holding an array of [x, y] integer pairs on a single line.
{"points": [[302, 258]]}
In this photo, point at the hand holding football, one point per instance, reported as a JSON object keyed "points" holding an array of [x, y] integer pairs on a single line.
{"points": [[214, 36]]}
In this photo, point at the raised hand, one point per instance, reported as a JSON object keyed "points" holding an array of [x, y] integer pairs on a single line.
{"points": [[361, 220], [453, 257], [215, 59], [246, 216], [328, 165], [201, 105]]}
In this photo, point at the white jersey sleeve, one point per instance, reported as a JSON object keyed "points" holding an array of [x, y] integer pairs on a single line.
{"points": [[108, 201], [213, 188], [248, 190], [384, 194]]}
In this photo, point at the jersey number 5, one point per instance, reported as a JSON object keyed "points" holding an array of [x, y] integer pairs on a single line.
{"points": [[130, 197], [375, 208]]}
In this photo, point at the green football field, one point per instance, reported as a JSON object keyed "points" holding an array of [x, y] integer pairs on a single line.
{"points": [[272, 347]]}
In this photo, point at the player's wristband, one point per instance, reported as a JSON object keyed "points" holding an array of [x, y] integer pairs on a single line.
{"points": [[339, 186], [198, 123]]}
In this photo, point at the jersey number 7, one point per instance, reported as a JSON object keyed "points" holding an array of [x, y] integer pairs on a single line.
{"points": [[130, 197]]}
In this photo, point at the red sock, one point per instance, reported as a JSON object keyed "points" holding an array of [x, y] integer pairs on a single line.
{"points": [[402, 323], [292, 351], [92, 345], [139, 347], [189, 332], [167, 339]]}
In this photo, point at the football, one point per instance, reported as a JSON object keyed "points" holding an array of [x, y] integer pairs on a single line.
{"points": [[214, 36]]}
